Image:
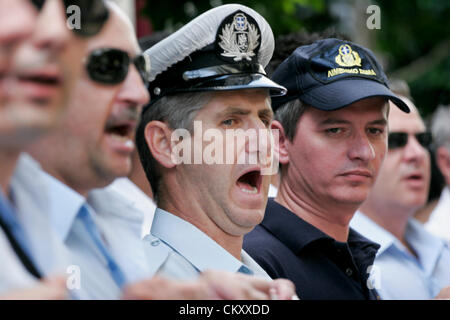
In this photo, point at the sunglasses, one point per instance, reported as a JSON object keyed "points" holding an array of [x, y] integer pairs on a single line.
{"points": [[93, 14], [400, 139], [110, 66]]}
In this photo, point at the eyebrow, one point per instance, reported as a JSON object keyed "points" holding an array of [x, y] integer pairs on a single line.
{"points": [[233, 110], [381, 122], [331, 121], [239, 111], [266, 113]]}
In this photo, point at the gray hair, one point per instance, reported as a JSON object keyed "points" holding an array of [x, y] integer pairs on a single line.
{"points": [[440, 126], [178, 111], [288, 115]]}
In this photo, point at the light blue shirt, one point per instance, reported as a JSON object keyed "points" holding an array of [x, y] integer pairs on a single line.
{"points": [[32, 202], [183, 251], [13, 275], [400, 275], [55, 210]]}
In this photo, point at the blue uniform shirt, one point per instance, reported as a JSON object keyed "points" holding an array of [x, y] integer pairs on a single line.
{"points": [[183, 251]]}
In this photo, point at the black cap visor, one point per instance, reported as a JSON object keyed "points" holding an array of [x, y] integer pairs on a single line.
{"points": [[237, 82], [342, 93]]}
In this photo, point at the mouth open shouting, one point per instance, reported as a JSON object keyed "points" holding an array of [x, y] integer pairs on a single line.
{"points": [[120, 131], [250, 188]]}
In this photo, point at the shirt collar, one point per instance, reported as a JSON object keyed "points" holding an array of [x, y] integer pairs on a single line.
{"points": [[373, 231], [427, 246], [297, 234], [65, 203], [290, 229], [210, 256]]}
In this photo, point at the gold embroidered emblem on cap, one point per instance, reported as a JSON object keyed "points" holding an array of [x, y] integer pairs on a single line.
{"points": [[239, 39], [347, 57]]}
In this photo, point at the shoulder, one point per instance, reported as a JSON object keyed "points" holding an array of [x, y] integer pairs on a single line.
{"points": [[262, 241], [266, 250], [167, 262]]}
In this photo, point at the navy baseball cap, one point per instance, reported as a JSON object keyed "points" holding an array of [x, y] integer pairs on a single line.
{"points": [[331, 74]]}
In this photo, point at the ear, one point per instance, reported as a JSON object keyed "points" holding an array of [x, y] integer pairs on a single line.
{"points": [[280, 143], [157, 135], [443, 162]]}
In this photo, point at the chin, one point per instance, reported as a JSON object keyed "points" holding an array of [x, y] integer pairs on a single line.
{"points": [[251, 217], [353, 197]]}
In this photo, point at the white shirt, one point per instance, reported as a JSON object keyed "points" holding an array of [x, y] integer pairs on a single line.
{"points": [[439, 221], [136, 198], [121, 213], [273, 191], [32, 198]]}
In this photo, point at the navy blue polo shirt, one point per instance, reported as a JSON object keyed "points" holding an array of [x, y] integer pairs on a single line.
{"points": [[286, 246]]}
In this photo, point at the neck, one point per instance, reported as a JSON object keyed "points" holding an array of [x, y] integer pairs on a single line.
{"points": [[54, 159], [139, 178], [391, 217], [333, 219], [8, 161], [192, 212]]}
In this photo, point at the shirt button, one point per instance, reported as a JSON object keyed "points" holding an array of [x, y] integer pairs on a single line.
{"points": [[349, 272], [155, 243]]}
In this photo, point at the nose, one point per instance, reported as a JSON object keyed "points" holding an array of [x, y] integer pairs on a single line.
{"points": [[259, 143], [361, 149], [133, 90], [51, 31], [17, 21], [413, 151]]}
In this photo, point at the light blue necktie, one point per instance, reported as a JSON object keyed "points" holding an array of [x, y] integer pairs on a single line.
{"points": [[91, 228], [244, 269]]}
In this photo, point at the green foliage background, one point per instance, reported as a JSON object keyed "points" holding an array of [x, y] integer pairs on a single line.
{"points": [[414, 38]]}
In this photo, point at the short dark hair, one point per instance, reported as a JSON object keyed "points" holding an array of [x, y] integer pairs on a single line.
{"points": [[288, 115], [178, 111]]}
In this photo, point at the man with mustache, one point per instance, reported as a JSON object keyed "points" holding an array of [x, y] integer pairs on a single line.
{"points": [[411, 263], [92, 147], [333, 138], [36, 71]]}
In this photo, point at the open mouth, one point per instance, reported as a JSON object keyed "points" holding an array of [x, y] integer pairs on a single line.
{"points": [[250, 182], [122, 131]]}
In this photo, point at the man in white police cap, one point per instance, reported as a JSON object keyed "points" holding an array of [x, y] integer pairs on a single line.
{"points": [[209, 78]]}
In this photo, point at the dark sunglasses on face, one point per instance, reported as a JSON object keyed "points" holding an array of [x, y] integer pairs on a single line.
{"points": [[94, 14], [400, 139], [110, 66]]}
